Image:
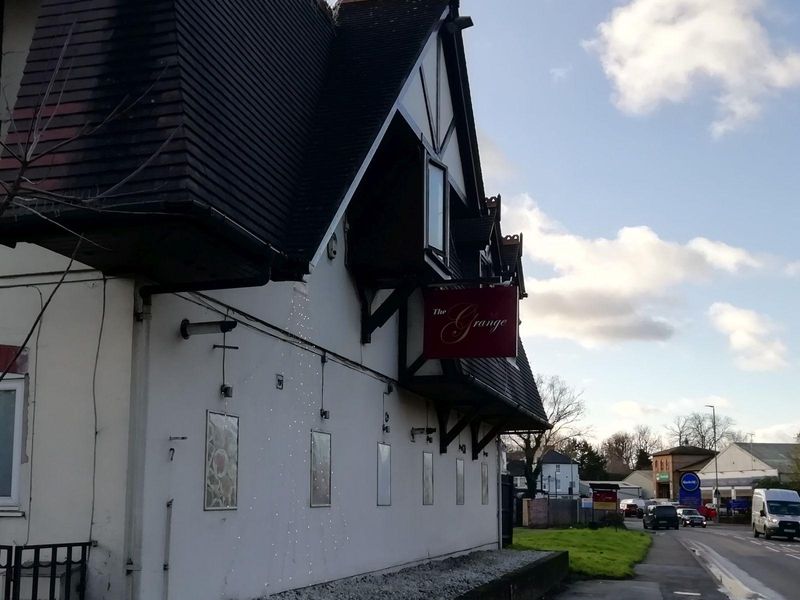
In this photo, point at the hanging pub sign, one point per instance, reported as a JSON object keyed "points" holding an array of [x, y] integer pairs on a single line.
{"points": [[471, 323]]}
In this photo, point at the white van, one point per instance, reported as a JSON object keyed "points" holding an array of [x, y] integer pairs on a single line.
{"points": [[776, 512]]}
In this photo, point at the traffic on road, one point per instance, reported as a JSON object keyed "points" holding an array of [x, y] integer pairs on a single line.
{"points": [[745, 566]]}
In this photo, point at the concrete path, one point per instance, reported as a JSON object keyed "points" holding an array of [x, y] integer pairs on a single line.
{"points": [[670, 572]]}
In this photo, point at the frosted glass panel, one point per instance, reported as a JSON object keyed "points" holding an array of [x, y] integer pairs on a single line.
{"points": [[484, 483], [222, 461], [7, 418], [320, 468], [427, 478], [459, 481], [384, 475]]}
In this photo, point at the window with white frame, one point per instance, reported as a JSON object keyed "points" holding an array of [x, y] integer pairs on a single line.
{"points": [[11, 398], [436, 209]]}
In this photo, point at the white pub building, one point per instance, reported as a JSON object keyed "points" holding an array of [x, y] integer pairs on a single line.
{"points": [[258, 320]]}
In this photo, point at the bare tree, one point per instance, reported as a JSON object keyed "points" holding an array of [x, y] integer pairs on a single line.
{"points": [[620, 452], [30, 147], [678, 431], [645, 439], [697, 429], [564, 408]]}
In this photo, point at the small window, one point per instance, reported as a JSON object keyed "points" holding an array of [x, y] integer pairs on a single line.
{"points": [[558, 468], [10, 441], [436, 204], [484, 483], [459, 481], [320, 469], [427, 478], [384, 474], [486, 268]]}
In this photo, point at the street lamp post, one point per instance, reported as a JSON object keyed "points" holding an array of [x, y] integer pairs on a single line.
{"points": [[716, 468]]}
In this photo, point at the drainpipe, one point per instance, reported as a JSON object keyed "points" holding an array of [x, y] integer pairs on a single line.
{"points": [[136, 445], [499, 494]]}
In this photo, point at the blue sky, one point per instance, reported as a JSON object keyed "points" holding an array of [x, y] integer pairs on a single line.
{"points": [[648, 150]]}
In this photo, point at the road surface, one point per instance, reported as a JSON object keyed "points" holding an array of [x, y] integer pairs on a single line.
{"points": [[750, 568]]}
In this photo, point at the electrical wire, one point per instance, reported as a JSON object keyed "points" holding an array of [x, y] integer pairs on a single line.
{"points": [[278, 333], [41, 313], [94, 408]]}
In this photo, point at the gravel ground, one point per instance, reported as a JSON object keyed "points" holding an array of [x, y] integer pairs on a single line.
{"points": [[437, 580]]}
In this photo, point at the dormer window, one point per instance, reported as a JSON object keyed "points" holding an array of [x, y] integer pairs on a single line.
{"points": [[436, 210]]}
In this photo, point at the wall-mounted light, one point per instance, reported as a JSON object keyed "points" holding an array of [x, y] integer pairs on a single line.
{"points": [[463, 448], [189, 329], [324, 414], [278, 381], [415, 431], [226, 390]]}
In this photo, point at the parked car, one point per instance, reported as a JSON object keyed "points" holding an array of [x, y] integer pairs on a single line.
{"points": [[691, 517], [632, 507], [776, 512], [709, 512], [661, 515]]}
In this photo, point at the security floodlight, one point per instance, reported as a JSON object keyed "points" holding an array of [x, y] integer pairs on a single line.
{"points": [[189, 329]]}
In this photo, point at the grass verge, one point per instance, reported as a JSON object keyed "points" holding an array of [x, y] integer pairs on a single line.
{"points": [[602, 553]]}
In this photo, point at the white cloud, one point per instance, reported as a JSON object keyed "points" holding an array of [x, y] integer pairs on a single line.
{"points": [[781, 433], [559, 74], [792, 269], [751, 337], [660, 51], [605, 290], [496, 166]]}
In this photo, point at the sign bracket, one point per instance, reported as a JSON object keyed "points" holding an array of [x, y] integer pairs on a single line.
{"points": [[478, 445], [372, 320], [445, 436]]}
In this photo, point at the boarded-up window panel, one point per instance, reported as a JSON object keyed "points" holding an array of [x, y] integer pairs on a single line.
{"points": [[384, 475], [320, 468], [427, 478]]}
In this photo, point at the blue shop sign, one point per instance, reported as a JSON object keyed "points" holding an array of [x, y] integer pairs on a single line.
{"points": [[690, 482]]}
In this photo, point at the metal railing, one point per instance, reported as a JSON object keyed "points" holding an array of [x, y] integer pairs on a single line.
{"points": [[62, 567]]}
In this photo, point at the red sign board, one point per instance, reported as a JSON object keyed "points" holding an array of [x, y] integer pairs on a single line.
{"points": [[471, 323], [8, 361], [604, 499]]}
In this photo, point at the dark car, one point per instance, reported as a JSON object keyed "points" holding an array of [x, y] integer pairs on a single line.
{"points": [[661, 515], [691, 517]]}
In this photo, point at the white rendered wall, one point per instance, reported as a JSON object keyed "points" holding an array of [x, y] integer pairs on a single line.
{"points": [[59, 429], [275, 541]]}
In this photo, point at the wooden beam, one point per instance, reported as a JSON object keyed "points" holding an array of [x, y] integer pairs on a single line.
{"points": [[478, 445], [416, 365], [370, 321], [446, 437]]}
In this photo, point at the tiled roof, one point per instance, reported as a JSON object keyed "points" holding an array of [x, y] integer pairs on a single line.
{"points": [[377, 44], [509, 383], [777, 456], [554, 457], [685, 451]]}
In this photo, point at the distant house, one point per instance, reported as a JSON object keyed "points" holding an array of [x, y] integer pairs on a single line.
{"points": [[643, 479], [559, 476], [742, 464], [669, 464]]}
